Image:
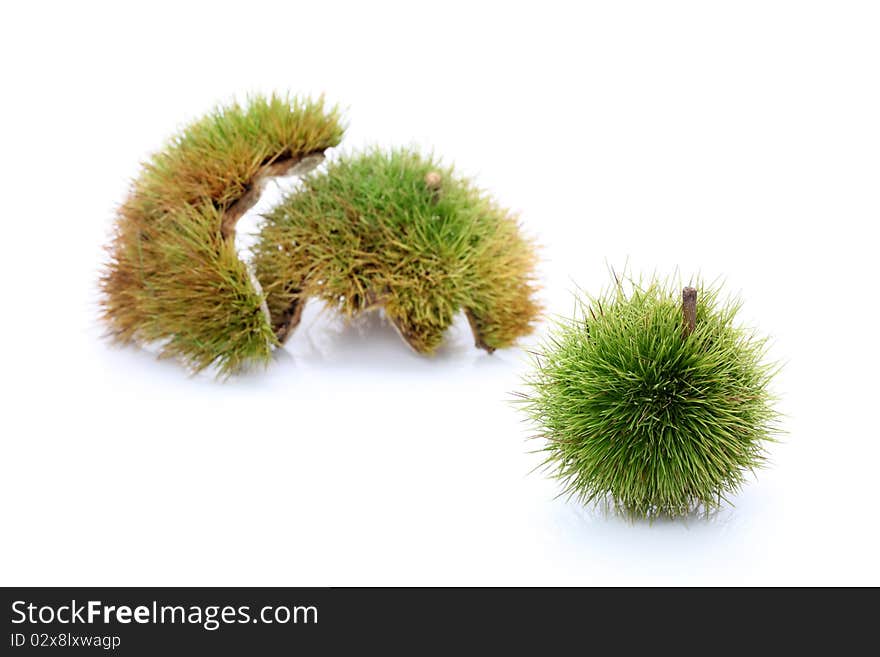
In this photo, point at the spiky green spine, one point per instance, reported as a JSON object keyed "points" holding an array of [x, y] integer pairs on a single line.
{"points": [[172, 277], [633, 411], [370, 231]]}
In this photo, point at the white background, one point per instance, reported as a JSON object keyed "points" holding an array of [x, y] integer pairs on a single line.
{"points": [[737, 139]]}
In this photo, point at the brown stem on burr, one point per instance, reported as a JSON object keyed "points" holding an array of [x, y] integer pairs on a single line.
{"points": [[434, 181], [689, 309]]}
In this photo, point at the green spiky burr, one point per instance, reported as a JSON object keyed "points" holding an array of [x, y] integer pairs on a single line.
{"points": [[653, 399], [398, 230], [174, 277]]}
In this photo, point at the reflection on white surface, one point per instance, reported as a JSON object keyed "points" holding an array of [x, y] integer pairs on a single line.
{"points": [[350, 439], [370, 340]]}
